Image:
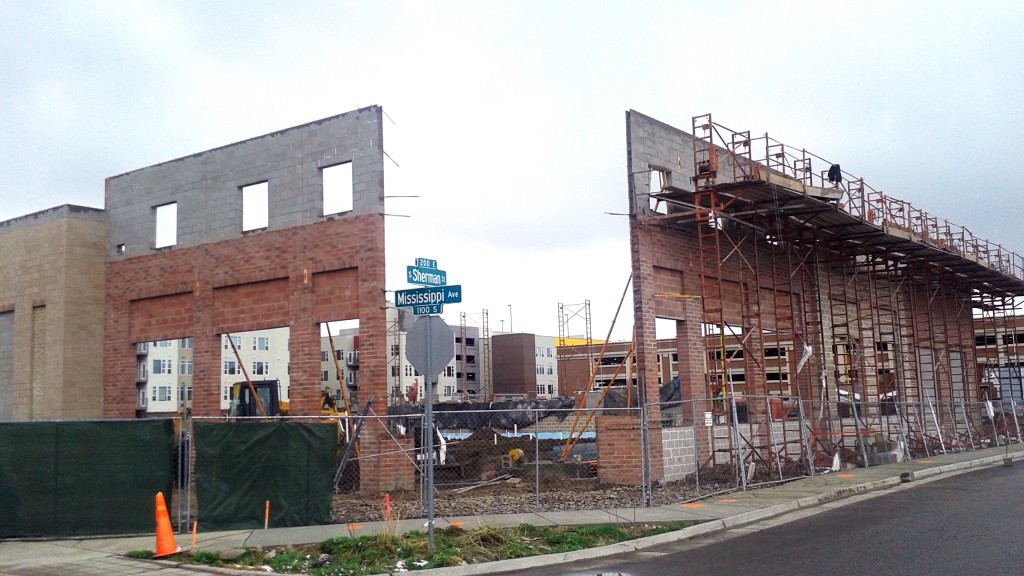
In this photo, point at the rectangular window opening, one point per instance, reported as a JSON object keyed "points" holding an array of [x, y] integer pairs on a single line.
{"points": [[337, 181], [255, 206], [166, 225]]}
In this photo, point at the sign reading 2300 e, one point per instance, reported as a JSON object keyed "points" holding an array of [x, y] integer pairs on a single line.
{"points": [[431, 295]]}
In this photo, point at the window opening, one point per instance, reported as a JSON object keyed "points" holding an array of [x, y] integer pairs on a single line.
{"points": [[337, 182], [255, 206], [166, 225]]}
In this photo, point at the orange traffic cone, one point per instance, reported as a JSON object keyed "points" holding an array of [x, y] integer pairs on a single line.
{"points": [[165, 544]]}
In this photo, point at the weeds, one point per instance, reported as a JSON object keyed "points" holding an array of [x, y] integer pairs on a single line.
{"points": [[206, 557], [140, 554], [390, 552]]}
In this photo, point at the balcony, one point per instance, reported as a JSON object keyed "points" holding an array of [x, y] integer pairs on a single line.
{"points": [[352, 359]]}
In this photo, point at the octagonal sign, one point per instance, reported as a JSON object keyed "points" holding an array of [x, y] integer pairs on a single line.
{"points": [[430, 345]]}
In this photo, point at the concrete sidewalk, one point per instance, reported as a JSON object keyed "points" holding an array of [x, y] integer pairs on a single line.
{"points": [[720, 512]]}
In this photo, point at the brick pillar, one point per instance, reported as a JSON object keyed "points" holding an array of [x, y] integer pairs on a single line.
{"points": [[619, 456], [386, 463], [373, 348], [304, 348], [118, 359], [206, 354], [644, 315]]}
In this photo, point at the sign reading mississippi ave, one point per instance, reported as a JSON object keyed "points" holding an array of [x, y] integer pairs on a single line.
{"points": [[427, 296]]}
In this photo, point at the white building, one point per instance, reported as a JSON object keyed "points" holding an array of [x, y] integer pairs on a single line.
{"points": [[263, 353], [547, 366], [165, 367]]}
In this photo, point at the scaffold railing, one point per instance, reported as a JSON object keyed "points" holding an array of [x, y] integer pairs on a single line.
{"points": [[749, 155]]}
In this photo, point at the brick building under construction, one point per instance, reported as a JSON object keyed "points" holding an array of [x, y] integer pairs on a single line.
{"points": [[754, 248]]}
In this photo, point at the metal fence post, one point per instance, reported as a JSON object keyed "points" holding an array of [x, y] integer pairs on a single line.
{"points": [[771, 434], [536, 457], [967, 422], [645, 448], [696, 448], [738, 448], [805, 440], [938, 427], [1017, 426]]}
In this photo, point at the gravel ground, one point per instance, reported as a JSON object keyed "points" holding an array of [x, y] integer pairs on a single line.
{"points": [[512, 496]]}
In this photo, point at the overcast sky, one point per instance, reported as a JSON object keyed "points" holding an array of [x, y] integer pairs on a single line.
{"points": [[507, 119]]}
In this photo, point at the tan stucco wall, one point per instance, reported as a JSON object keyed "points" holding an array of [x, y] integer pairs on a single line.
{"points": [[52, 278]]}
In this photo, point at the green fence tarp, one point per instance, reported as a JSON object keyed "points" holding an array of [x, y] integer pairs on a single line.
{"points": [[83, 477], [242, 465]]}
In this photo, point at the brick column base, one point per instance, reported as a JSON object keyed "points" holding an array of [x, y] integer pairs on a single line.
{"points": [[619, 454], [385, 464]]}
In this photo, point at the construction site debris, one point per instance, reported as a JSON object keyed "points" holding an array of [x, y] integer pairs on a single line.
{"points": [[476, 415]]}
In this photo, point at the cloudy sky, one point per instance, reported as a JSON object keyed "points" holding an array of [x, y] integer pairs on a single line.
{"points": [[507, 119]]}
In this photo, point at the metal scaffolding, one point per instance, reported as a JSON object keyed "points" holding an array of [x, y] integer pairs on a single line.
{"points": [[816, 287], [482, 321]]}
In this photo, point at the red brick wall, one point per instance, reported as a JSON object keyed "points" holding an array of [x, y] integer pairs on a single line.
{"points": [[332, 270], [160, 314], [336, 294], [243, 307]]}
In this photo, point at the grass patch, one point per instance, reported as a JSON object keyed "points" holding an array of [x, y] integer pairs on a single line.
{"points": [[206, 557], [140, 554], [390, 552]]}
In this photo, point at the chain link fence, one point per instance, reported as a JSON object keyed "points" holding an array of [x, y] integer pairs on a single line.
{"points": [[535, 460]]}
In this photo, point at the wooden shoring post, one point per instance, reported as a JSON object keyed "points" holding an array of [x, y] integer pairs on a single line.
{"points": [[575, 439], [337, 368], [352, 443], [582, 395], [349, 425], [245, 373]]}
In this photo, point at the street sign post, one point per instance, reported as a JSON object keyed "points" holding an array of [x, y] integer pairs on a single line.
{"points": [[429, 347]]}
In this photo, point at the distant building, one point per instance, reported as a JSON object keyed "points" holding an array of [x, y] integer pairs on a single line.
{"points": [[524, 365], [461, 379]]}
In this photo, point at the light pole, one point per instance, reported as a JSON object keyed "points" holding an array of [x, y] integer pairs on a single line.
{"points": [[509, 317]]}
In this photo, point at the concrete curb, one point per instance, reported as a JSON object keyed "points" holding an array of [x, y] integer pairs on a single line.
{"points": [[705, 527]]}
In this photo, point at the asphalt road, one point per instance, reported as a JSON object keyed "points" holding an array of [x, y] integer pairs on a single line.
{"points": [[968, 524]]}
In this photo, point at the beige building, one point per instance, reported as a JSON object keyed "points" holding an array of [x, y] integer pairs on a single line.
{"points": [[51, 314]]}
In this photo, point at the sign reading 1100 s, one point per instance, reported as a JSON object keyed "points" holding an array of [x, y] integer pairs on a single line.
{"points": [[432, 298]]}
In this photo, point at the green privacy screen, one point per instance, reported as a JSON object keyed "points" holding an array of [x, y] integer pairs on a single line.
{"points": [[242, 465], [83, 478]]}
